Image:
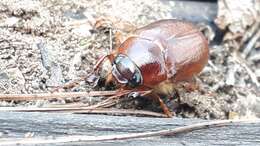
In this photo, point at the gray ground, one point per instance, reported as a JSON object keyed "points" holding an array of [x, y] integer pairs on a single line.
{"points": [[48, 43]]}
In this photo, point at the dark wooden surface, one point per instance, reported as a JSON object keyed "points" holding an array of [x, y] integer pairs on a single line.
{"points": [[16, 125]]}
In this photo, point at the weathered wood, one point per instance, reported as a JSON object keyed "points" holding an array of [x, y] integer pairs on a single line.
{"points": [[17, 125]]}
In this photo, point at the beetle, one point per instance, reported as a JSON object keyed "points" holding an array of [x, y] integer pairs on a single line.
{"points": [[158, 56]]}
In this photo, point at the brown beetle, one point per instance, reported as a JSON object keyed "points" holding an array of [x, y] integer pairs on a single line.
{"points": [[158, 56]]}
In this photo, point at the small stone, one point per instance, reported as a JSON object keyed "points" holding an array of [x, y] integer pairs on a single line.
{"points": [[56, 78], [82, 30], [35, 85], [233, 115], [11, 21], [29, 135]]}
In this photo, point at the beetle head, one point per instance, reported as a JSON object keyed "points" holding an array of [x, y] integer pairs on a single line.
{"points": [[126, 72]]}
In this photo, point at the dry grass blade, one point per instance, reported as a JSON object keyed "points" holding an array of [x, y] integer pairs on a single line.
{"points": [[110, 101], [86, 110], [84, 138], [124, 112], [37, 109], [41, 96], [61, 108], [107, 102], [97, 108]]}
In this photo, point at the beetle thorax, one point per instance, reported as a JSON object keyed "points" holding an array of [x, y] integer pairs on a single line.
{"points": [[148, 57]]}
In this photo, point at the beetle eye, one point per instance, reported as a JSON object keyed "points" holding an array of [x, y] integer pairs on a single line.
{"points": [[136, 80], [126, 71]]}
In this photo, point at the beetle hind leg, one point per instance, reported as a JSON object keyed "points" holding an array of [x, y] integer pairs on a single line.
{"points": [[164, 107]]}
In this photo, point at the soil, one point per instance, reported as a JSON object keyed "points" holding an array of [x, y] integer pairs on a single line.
{"points": [[45, 44]]}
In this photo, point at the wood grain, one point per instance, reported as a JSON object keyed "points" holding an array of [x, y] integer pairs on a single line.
{"points": [[49, 125]]}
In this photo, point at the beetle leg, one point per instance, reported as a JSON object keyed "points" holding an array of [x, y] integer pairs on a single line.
{"points": [[164, 107], [109, 79], [191, 85], [89, 77], [97, 66]]}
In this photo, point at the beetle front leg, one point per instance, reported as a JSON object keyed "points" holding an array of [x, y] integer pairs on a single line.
{"points": [[91, 78]]}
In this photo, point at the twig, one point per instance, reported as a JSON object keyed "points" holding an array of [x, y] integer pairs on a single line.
{"points": [[249, 33], [251, 44], [243, 63], [254, 57], [84, 138], [40, 96]]}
